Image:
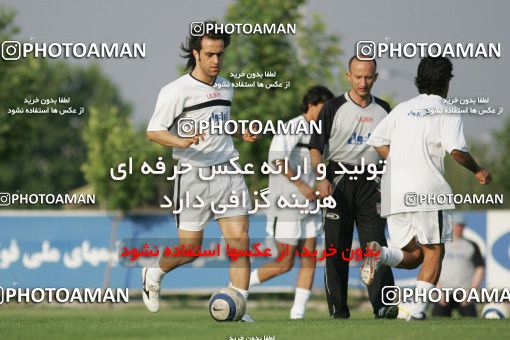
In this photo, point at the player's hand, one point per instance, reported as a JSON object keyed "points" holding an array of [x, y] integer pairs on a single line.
{"points": [[308, 192], [187, 142], [249, 137], [483, 176], [325, 188]]}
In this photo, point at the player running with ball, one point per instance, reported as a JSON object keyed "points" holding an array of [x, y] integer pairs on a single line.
{"points": [[413, 139], [201, 95]]}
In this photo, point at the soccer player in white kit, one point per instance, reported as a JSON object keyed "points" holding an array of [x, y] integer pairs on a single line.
{"points": [[291, 229], [413, 139], [201, 95]]}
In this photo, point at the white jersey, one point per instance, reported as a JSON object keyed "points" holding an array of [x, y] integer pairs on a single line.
{"points": [[418, 137], [190, 98], [294, 148]]}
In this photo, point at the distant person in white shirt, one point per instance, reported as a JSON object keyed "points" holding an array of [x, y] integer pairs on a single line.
{"points": [[291, 229], [463, 267], [413, 139]]}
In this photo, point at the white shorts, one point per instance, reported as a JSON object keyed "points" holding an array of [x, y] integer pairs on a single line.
{"points": [[290, 232], [429, 227], [217, 191]]}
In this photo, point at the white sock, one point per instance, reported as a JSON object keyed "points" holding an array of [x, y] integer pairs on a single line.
{"points": [[155, 274], [391, 256], [243, 292], [420, 305], [300, 298], [254, 278]]}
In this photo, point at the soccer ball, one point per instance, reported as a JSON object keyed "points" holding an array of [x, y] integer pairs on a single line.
{"points": [[495, 311], [227, 304]]}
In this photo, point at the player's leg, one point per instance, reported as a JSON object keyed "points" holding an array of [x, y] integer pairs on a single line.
{"points": [[467, 309], [186, 238], [413, 256], [308, 264], [338, 231], [235, 232], [443, 308], [152, 276], [286, 235], [427, 278], [433, 228], [281, 265], [234, 226], [432, 260], [371, 227], [404, 253], [190, 224], [409, 257], [305, 278]]}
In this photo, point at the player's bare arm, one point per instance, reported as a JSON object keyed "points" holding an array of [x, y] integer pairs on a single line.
{"points": [[304, 188], [324, 186], [383, 151], [478, 277], [466, 160], [168, 139], [246, 136]]}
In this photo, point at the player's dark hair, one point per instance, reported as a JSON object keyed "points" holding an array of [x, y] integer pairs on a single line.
{"points": [[434, 74], [356, 57], [315, 95], [194, 42]]}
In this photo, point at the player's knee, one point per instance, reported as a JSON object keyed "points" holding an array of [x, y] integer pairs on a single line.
{"points": [[188, 259], [416, 263], [286, 265], [285, 268], [307, 263], [239, 240], [418, 255]]}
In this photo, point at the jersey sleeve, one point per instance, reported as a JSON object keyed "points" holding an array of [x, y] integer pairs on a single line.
{"points": [[477, 258], [320, 140], [382, 134], [169, 106], [452, 134]]}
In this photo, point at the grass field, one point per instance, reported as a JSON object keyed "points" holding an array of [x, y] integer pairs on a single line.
{"points": [[38, 322]]}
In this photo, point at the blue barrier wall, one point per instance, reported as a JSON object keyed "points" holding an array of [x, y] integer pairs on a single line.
{"points": [[71, 249]]}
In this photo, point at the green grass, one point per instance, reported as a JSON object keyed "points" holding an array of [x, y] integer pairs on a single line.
{"points": [[43, 322]]}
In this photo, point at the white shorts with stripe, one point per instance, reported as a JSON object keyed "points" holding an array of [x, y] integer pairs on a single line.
{"points": [[429, 227], [291, 231], [217, 191]]}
